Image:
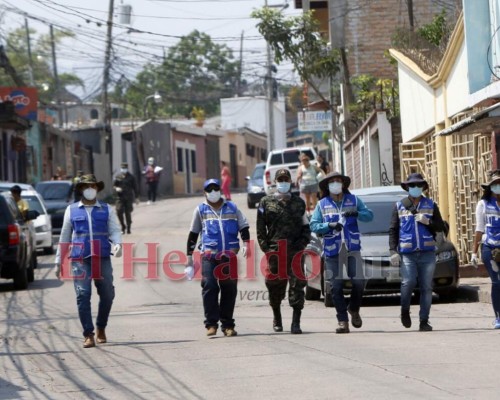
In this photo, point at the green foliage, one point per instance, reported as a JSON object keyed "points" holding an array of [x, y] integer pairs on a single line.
{"points": [[435, 31]]}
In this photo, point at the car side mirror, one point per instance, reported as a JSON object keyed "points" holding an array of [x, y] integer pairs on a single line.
{"points": [[31, 215], [247, 178]]}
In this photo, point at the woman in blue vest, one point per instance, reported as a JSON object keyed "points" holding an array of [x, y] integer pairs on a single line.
{"points": [[488, 232], [88, 228], [219, 221], [336, 218], [415, 226]]}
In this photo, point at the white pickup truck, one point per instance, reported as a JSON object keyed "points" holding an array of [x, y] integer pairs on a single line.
{"points": [[285, 158]]}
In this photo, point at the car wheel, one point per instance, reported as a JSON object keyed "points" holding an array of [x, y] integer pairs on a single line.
{"points": [[312, 294], [250, 204], [21, 279], [48, 250], [30, 273], [448, 296], [328, 297]]}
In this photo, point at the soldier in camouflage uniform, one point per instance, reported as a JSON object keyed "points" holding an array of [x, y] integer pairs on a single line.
{"points": [[125, 188], [283, 232]]}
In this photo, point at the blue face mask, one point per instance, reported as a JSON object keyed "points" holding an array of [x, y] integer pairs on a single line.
{"points": [[283, 187], [495, 188], [415, 191]]}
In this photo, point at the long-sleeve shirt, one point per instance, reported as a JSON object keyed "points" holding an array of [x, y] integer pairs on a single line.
{"points": [[114, 228]]}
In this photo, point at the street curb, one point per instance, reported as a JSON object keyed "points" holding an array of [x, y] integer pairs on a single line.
{"points": [[474, 293]]}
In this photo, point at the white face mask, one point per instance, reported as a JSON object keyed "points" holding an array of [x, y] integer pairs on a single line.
{"points": [[213, 196], [335, 187], [124, 170], [90, 193], [495, 188], [283, 187]]}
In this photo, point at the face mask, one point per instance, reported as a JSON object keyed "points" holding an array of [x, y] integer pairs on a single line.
{"points": [[213, 196], [283, 187], [415, 191], [335, 187], [495, 188], [90, 193], [124, 170]]}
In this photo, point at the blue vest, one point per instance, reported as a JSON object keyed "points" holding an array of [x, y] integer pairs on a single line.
{"points": [[350, 234], [492, 231], [414, 236], [81, 246], [220, 232]]}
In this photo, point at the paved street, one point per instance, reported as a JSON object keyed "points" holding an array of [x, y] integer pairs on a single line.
{"points": [[158, 349]]}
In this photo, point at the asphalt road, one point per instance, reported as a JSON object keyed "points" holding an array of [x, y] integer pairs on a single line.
{"points": [[158, 349]]}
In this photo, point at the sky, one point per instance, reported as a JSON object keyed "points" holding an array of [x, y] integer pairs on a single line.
{"points": [[155, 26]]}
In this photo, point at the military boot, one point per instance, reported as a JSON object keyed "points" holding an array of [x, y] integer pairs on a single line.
{"points": [[277, 323], [295, 329]]}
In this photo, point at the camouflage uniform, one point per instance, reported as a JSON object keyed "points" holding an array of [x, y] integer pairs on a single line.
{"points": [[283, 220], [125, 203]]}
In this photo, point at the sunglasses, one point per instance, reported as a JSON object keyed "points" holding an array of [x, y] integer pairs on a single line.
{"points": [[212, 188], [420, 185], [284, 179]]}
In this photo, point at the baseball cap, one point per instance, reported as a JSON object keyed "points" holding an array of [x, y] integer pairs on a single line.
{"points": [[282, 172], [209, 182]]}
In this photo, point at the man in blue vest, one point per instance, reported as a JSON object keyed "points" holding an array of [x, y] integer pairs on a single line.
{"points": [[336, 218], [415, 227], [219, 221], [88, 228]]}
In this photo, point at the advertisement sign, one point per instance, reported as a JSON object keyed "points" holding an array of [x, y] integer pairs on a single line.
{"points": [[315, 120], [25, 100]]}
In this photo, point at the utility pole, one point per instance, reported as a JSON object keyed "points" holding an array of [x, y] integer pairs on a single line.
{"points": [[56, 77], [410, 14], [240, 65], [30, 59], [107, 66], [270, 101]]}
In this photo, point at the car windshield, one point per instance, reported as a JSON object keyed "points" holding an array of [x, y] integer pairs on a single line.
{"points": [[34, 203], [289, 157], [54, 191], [258, 172], [382, 214]]}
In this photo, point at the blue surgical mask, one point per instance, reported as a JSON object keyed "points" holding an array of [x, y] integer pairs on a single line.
{"points": [[495, 188], [415, 191], [213, 196], [283, 187], [335, 187]]}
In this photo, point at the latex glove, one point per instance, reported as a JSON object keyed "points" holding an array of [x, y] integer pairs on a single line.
{"points": [[395, 259], [117, 250], [494, 266], [439, 239], [336, 226], [189, 270], [118, 189], [245, 251], [137, 201], [351, 214], [58, 271], [474, 260], [422, 219]]}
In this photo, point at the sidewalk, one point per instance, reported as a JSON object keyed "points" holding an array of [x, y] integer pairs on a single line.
{"points": [[475, 284]]}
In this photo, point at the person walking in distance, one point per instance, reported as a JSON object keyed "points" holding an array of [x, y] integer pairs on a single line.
{"points": [[283, 233], [219, 221], [226, 180], [488, 233], [415, 229], [90, 234], [152, 174], [308, 182], [336, 218], [125, 188]]}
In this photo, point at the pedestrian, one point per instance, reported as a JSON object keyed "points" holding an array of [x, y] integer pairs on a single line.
{"points": [[21, 203], [281, 221], [307, 180], [77, 196], [416, 228], [219, 221], [336, 219], [488, 235], [126, 190], [323, 164], [90, 234], [152, 174], [226, 180]]}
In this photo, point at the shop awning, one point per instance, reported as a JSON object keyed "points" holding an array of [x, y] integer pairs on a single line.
{"points": [[484, 120]]}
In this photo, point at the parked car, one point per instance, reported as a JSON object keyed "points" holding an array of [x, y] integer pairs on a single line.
{"points": [[43, 223], [57, 195], [17, 249], [255, 185], [381, 276], [285, 158]]}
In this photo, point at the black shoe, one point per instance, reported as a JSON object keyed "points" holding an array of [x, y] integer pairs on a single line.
{"points": [[277, 323], [424, 326], [405, 318], [295, 328], [343, 327], [128, 230], [356, 320]]}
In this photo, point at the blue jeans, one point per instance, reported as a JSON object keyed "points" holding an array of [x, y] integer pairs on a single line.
{"points": [[495, 279], [334, 276], [421, 265], [83, 289], [215, 280]]}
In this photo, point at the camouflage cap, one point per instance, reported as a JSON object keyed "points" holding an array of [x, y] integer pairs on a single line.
{"points": [[88, 179], [282, 172]]}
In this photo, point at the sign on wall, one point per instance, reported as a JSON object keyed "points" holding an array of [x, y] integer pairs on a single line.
{"points": [[25, 100], [315, 120]]}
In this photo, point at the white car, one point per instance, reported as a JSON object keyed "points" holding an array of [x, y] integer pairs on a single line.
{"points": [[43, 224]]}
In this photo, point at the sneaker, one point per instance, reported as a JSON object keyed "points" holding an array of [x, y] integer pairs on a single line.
{"points": [[211, 330], [101, 335], [497, 324], [343, 327], [405, 318], [149, 202], [424, 326], [89, 341], [356, 320], [229, 332]]}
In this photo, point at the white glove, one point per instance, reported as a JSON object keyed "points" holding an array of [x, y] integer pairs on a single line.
{"points": [[494, 266], [189, 270], [117, 250], [137, 201], [474, 260], [342, 220], [58, 271], [245, 251], [395, 260], [422, 219], [439, 239], [118, 189]]}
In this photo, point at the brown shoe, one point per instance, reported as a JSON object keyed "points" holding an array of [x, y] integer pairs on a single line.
{"points": [[89, 341], [229, 332], [211, 330], [101, 335]]}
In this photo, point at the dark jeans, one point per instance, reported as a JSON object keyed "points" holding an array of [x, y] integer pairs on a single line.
{"points": [[152, 187], [334, 275], [215, 280], [124, 208], [83, 288], [495, 279]]}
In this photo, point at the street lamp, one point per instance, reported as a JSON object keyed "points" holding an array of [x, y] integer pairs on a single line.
{"points": [[157, 99]]}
